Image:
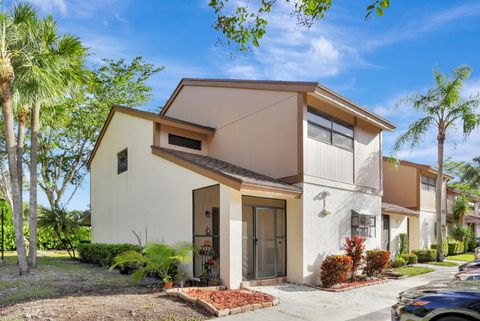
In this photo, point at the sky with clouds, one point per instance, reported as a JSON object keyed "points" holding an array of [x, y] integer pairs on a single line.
{"points": [[374, 62]]}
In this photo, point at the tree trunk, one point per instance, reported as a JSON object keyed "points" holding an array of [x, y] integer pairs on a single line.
{"points": [[438, 201], [32, 217], [17, 214], [22, 119]]}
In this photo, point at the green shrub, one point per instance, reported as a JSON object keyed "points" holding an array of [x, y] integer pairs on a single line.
{"points": [[410, 258], [376, 262], [335, 269], [425, 256], [456, 247], [444, 248], [103, 254], [399, 262], [404, 246], [47, 238]]}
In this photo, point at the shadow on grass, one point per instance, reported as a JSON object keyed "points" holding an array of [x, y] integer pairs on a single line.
{"points": [[58, 276]]}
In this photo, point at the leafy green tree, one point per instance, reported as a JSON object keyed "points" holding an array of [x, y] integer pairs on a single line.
{"points": [[245, 26], [471, 174], [156, 257], [71, 127], [461, 208], [442, 109]]}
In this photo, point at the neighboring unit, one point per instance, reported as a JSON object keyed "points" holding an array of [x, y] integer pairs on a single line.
{"points": [[265, 177], [409, 204], [472, 220]]}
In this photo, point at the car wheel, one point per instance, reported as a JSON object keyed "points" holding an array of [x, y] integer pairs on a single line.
{"points": [[453, 318]]}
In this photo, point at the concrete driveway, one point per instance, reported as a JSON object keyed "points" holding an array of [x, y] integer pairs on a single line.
{"points": [[370, 303]]}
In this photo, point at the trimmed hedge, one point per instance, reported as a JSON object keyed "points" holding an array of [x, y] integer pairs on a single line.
{"points": [[444, 248], [376, 262], [335, 269], [399, 262], [425, 256], [456, 247], [103, 254], [404, 246], [410, 259]]}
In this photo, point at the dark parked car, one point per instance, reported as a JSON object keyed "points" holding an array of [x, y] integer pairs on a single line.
{"points": [[468, 275], [451, 301], [469, 265]]}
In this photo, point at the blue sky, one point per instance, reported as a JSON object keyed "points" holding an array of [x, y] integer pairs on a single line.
{"points": [[374, 62]]}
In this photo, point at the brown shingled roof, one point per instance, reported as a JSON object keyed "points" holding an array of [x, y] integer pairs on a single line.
{"points": [[227, 173], [388, 208]]}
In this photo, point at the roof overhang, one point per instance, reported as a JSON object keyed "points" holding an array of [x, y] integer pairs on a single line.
{"points": [[394, 209], [325, 94], [422, 167], [312, 88], [225, 179], [159, 119]]}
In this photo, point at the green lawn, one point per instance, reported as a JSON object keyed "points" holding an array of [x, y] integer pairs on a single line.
{"points": [[413, 270], [59, 283], [444, 263], [467, 257]]}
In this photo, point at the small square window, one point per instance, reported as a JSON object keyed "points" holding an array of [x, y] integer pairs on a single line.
{"points": [[122, 161]]}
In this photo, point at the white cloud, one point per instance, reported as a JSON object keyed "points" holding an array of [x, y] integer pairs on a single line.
{"points": [[49, 6]]}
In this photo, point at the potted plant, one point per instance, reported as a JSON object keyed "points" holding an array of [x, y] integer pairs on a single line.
{"points": [[156, 258], [167, 281], [180, 279], [204, 278]]}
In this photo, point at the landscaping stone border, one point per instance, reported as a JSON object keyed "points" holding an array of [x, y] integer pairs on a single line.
{"points": [[347, 288], [182, 293]]}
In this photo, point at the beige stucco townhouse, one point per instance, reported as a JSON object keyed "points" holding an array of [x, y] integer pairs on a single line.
{"points": [[409, 204], [266, 177]]}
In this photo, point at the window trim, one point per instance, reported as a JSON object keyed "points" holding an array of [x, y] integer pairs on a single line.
{"points": [[120, 166], [193, 140], [428, 183], [332, 120]]}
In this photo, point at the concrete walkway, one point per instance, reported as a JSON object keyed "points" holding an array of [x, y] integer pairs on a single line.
{"points": [[370, 303]]}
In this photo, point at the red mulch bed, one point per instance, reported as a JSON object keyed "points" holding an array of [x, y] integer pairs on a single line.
{"points": [[353, 285], [229, 299]]}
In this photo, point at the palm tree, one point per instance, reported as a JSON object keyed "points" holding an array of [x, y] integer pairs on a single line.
{"points": [[64, 224], [15, 28], [55, 66], [443, 108], [156, 257], [461, 208]]}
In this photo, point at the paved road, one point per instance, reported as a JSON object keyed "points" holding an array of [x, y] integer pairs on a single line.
{"points": [[370, 303]]}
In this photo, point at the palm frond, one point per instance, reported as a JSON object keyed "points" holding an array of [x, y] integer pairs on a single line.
{"points": [[415, 133], [128, 257]]}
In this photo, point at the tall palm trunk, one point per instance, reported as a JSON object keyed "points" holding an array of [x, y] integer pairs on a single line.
{"points": [[32, 217], [6, 80], [438, 198], [22, 120]]}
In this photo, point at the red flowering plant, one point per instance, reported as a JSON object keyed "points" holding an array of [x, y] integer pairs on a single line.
{"points": [[355, 248], [376, 262], [335, 269]]}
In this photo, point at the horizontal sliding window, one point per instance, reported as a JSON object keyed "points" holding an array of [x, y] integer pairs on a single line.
{"points": [[184, 142], [428, 183], [329, 129]]}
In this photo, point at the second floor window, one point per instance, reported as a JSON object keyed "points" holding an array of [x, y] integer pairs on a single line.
{"points": [[184, 142], [329, 129], [122, 161], [428, 183]]}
